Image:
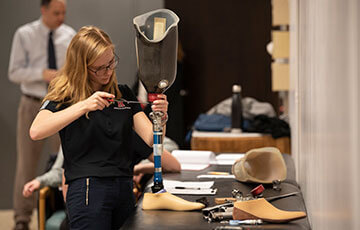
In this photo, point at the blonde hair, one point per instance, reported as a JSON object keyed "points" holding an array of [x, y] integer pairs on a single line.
{"points": [[72, 83]]}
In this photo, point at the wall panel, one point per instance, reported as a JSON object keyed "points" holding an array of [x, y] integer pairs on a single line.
{"points": [[325, 109]]}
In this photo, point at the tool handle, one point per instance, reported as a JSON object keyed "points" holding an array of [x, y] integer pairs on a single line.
{"points": [[223, 200]]}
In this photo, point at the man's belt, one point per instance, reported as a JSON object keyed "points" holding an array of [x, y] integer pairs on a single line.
{"points": [[33, 97]]}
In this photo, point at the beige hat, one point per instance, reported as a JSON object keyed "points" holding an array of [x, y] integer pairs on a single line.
{"points": [[262, 165]]}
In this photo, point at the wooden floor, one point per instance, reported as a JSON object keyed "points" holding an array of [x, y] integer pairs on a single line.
{"points": [[7, 220]]}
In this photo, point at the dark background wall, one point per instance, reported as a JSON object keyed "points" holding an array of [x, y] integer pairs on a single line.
{"points": [[224, 43]]}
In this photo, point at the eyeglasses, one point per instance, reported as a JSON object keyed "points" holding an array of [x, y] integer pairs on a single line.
{"points": [[103, 70]]}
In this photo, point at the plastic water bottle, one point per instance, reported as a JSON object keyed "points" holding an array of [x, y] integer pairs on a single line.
{"points": [[236, 110]]}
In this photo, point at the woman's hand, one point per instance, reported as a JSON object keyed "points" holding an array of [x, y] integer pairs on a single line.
{"points": [[137, 178], [48, 123], [64, 186], [161, 104], [97, 101], [30, 187], [143, 126]]}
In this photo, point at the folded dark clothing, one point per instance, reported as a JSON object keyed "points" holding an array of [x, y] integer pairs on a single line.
{"points": [[271, 125]]}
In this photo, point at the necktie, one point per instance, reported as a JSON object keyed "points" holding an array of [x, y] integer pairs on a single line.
{"points": [[51, 52]]}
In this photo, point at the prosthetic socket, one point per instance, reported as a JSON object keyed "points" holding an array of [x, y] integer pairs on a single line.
{"points": [[156, 49], [262, 165]]}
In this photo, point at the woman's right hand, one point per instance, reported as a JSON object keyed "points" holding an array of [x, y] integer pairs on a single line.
{"points": [[48, 123], [97, 101]]}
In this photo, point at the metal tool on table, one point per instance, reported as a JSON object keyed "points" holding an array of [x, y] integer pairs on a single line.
{"points": [[256, 193], [234, 224], [228, 228], [245, 222], [156, 50], [218, 212], [277, 185], [223, 213]]}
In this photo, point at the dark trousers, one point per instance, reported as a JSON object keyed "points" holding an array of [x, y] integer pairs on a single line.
{"points": [[99, 203]]}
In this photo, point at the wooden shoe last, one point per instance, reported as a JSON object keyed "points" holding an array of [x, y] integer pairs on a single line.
{"points": [[262, 209], [155, 201]]}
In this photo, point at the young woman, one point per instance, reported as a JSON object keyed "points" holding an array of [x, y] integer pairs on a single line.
{"points": [[96, 135]]}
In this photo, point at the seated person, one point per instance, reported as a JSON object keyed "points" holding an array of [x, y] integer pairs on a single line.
{"points": [[51, 178]]}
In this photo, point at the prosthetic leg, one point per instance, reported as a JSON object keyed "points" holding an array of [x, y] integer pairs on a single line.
{"points": [[156, 49]]}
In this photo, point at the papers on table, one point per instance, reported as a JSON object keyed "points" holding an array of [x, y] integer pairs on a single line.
{"points": [[228, 158], [197, 133], [194, 160], [192, 191], [195, 167], [207, 176], [199, 160], [207, 191], [188, 184], [223, 159], [189, 187]]}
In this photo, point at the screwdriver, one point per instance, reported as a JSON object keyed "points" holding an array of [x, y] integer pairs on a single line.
{"points": [[126, 101]]}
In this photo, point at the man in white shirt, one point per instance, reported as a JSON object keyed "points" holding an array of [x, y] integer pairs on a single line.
{"points": [[38, 50]]}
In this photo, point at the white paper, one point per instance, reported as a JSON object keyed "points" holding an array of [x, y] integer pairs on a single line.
{"points": [[188, 184], [197, 133], [207, 191], [194, 160], [207, 176], [228, 158], [195, 167], [189, 187]]}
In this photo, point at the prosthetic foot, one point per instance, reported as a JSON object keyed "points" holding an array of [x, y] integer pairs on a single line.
{"points": [[261, 209], [153, 201]]}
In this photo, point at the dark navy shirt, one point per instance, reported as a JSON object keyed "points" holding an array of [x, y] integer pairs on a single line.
{"points": [[103, 145]]}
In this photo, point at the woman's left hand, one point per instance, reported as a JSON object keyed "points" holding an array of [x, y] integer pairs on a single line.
{"points": [[30, 187], [161, 104]]}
